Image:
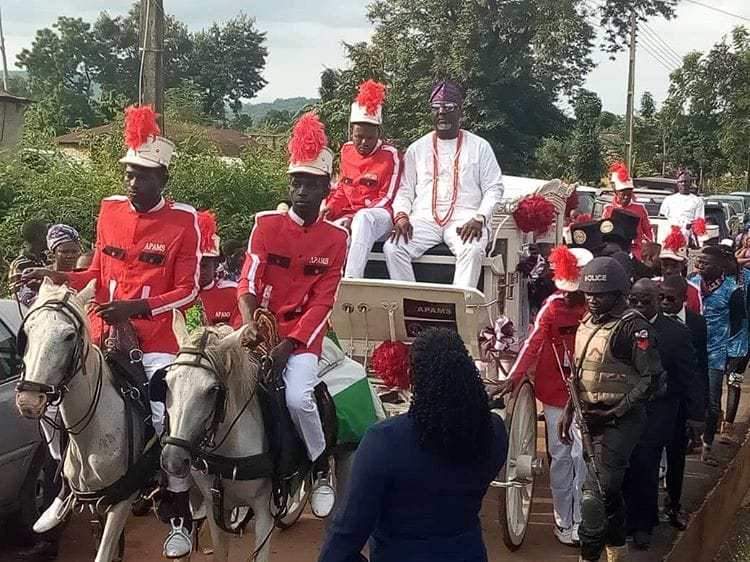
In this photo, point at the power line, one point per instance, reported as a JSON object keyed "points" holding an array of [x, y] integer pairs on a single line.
{"points": [[659, 49], [666, 47], [657, 57], [715, 9]]}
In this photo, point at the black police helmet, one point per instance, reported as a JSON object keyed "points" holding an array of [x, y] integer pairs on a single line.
{"points": [[604, 275]]}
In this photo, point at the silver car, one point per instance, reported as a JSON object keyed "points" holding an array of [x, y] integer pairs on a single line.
{"points": [[26, 471]]}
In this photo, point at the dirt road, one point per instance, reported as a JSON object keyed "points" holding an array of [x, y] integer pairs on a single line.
{"points": [[302, 542]]}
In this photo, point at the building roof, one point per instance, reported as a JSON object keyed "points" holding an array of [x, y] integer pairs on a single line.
{"points": [[5, 96], [229, 142]]}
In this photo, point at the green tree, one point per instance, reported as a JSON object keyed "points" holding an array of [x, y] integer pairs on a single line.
{"points": [[227, 63], [99, 64], [586, 145], [516, 60], [706, 116]]}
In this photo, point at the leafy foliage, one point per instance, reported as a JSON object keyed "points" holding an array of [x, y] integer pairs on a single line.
{"points": [[54, 188], [516, 59], [89, 72]]}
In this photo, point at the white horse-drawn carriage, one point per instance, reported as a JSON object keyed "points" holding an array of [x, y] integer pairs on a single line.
{"points": [[374, 310]]}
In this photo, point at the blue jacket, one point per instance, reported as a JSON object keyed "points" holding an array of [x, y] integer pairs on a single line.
{"points": [[724, 313], [415, 506]]}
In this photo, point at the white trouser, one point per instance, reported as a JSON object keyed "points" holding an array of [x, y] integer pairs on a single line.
{"points": [[398, 256], [51, 435], [368, 226], [300, 378], [567, 470], [152, 362]]}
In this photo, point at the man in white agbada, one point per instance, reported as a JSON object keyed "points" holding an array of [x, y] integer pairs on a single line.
{"points": [[683, 207], [449, 189]]}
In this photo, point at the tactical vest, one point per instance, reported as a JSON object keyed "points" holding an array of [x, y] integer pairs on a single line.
{"points": [[602, 378]]}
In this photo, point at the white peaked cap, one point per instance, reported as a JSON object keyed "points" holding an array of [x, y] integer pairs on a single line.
{"points": [[155, 152], [359, 115], [321, 166]]}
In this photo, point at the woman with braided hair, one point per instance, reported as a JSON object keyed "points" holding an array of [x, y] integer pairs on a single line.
{"points": [[418, 479]]}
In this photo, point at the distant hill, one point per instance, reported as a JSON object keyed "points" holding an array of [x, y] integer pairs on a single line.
{"points": [[259, 110]]}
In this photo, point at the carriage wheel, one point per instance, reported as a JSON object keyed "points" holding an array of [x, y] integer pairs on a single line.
{"points": [[516, 480], [296, 503]]}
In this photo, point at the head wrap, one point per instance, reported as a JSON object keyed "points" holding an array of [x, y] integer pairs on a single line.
{"points": [[447, 92], [59, 234]]}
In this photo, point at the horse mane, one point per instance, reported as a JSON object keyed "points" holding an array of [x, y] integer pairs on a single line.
{"points": [[240, 370], [50, 292]]}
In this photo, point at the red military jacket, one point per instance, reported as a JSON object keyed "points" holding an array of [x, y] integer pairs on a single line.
{"points": [[295, 271], [220, 304], [365, 181], [554, 329], [153, 256], [645, 230]]}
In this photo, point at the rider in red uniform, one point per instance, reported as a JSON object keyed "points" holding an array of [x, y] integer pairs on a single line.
{"points": [[146, 265], [218, 296], [547, 348], [368, 179], [623, 186], [293, 268]]}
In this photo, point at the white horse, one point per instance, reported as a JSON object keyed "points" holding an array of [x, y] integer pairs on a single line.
{"points": [[211, 389], [62, 364]]}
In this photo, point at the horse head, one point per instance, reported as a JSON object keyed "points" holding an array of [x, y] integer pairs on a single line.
{"points": [[53, 341], [210, 372]]}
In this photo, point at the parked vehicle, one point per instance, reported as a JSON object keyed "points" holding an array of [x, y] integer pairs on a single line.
{"points": [[735, 201], [26, 481], [656, 184], [721, 215], [586, 199]]}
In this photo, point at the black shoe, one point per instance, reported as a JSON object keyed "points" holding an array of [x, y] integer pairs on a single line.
{"points": [[42, 550], [642, 540], [677, 519]]}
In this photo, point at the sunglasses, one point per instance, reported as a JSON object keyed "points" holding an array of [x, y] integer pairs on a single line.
{"points": [[445, 107], [634, 301]]}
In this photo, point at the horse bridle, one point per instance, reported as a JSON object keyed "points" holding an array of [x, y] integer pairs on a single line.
{"points": [[200, 359], [55, 393]]}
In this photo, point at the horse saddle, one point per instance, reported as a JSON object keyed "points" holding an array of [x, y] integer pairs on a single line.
{"points": [[125, 358], [285, 445]]}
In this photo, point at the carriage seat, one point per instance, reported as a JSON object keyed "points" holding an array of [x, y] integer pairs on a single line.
{"points": [[436, 265]]}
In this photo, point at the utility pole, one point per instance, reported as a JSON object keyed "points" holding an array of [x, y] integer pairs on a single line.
{"points": [[151, 87], [631, 94], [5, 59]]}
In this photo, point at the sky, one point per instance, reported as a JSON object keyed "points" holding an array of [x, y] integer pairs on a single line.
{"points": [[304, 38]]}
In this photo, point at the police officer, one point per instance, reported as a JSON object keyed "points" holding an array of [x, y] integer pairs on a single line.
{"points": [[617, 364]]}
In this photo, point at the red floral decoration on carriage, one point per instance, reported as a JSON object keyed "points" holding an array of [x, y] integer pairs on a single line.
{"points": [[535, 214], [390, 361]]}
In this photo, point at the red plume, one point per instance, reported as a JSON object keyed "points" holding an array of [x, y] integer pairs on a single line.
{"points": [[699, 226], [140, 125], [675, 241], [390, 360], [564, 264], [308, 138], [535, 214], [207, 227], [371, 96], [621, 170], [583, 217]]}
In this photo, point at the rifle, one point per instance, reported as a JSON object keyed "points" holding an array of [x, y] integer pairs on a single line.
{"points": [[588, 444]]}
